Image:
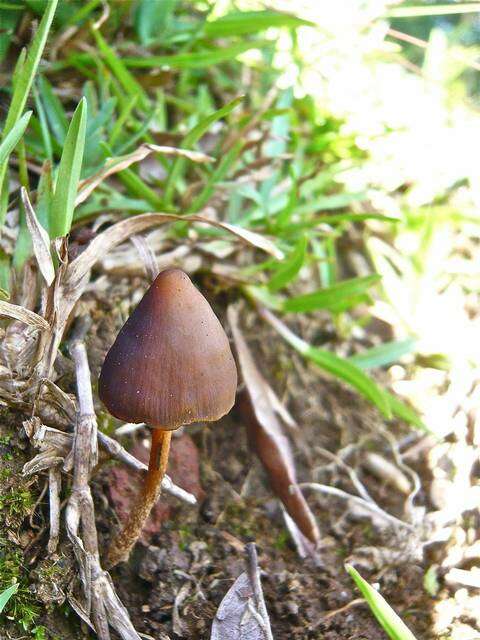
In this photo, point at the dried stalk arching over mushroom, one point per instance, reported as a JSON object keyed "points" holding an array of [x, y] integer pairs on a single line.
{"points": [[170, 365]]}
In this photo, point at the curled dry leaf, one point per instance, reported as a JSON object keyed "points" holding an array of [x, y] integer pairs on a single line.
{"points": [[40, 241], [124, 229], [24, 315], [114, 165], [266, 435], [234, 620]]}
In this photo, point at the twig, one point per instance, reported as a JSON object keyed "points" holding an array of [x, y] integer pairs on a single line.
{"points": [[352, 603], [101, 601], [54, 487], [116, 450], [253, 572], [333, 491], [351, 472], [128, 428]]}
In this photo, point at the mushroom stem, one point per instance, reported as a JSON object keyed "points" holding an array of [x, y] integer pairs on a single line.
{"points": [[157, 466]]}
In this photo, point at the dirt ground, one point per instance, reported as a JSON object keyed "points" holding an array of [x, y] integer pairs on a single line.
{"points": [[191, 555]]}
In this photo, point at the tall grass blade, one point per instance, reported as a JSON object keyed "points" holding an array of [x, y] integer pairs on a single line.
{"points": [[12, 138], [68, 175], [6, 595], [330, 297], [23, 82], [190, 139], [383, 355], [333, 364], [383, 612], [244, 23]]}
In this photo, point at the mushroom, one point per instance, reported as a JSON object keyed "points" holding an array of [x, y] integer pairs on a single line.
{"points": [[170, 365]]}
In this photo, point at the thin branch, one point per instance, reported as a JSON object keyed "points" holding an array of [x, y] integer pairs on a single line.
{"points": [[333, 491], [54, 487], [101, 601], [253, 572], [116, 450]]}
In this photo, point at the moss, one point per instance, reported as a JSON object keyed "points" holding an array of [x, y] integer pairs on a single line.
{"points": [[21, 608], [17, 502]]}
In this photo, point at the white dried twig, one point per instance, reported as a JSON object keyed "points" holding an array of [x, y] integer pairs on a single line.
{"points": [[373, 507], [253, 572], [101, 604], [54, 487], [24, 315]]}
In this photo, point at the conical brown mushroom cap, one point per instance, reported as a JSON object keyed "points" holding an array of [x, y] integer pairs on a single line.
{"points": [[171, 363]]}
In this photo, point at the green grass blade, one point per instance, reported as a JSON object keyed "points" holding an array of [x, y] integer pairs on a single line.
{"points": [[12, 138], [54, 110], [69, 173], [333, 364], [217, 176], [83, 12], [42, 119], [118, 68], [152, 18], [243, 23], [187, 143], [198, 59], [26, 75], [23, 82], [289, 268], [383, 612], [330, 297], [6, 595], [385, 354], [406, 413]]}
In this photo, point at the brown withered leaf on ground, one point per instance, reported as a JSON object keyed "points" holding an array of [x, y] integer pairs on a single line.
{"points": [[266, 435], [233, 621], [114, 165], [40, 240], [26, 316]]}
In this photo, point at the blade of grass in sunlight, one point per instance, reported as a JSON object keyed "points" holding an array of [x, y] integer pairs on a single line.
{"points": [[187, 143], [384, 354], [244, 23], [6, 595], [224, 166], [69, 173], [383, 612], [290, 267], [333, 364], [330, 297], [406, 413], [23, 83], [199, 59], [12, 138]]}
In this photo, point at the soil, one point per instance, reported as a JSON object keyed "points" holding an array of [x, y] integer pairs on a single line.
{"points": [[190, 556]]}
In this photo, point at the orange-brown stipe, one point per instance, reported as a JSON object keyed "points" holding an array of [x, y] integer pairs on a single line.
{"points": [[170, 365]]}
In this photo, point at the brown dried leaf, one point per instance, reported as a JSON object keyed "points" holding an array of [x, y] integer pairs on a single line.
{"points": [[114, 165], [234, 620], [40, 240], [124, 229], [24, 315], [266, 435]]}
